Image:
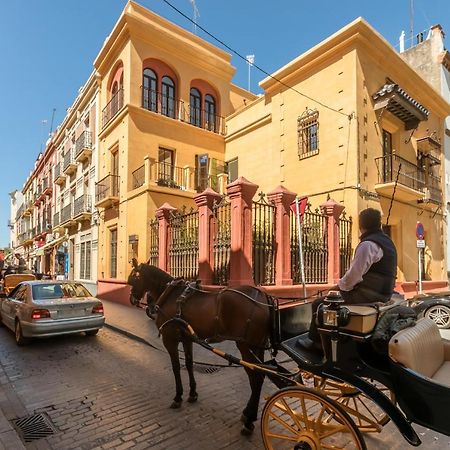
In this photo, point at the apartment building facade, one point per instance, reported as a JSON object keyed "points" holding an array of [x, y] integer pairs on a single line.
{"points": [[363, 130], [164, 93], [74, 174]]}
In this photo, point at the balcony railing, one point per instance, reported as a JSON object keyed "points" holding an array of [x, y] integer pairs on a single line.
{"points": [[66, 213], [434, 189], [82, 205], [56, 219], [113, 107], [138, 177], [20, 210], [83, 142], [409, 174], [172, 176], [68, 158], [107, 187], [175, 109]]}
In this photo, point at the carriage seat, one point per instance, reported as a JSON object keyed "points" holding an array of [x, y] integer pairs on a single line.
{"points": [[364, 317], [422, 349]]}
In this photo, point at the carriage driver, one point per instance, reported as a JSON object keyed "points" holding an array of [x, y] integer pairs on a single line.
{"points": [[371, 275]]}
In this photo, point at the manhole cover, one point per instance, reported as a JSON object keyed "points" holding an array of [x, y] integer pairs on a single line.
{"points": [[32, 428]]}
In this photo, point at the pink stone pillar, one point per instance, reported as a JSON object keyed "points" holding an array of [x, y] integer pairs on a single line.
{"points": [[163, 215], [282, 198], [333, 210], [241, 193], [205, 202]]}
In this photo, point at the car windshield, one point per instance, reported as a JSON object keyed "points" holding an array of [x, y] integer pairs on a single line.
{"points": [[63, 290]]}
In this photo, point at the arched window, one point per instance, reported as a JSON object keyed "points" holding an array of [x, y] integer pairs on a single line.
{"points": [[167, 97], [115, 106], [195, 110], [210, 113], [150, 90]]}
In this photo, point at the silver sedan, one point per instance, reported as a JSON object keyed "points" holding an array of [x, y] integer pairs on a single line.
{"points": [[50, 308]]}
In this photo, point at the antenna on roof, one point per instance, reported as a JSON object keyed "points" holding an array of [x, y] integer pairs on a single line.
{"points": [[411, 21], [250, 61], [196, 15], [51, 123]]}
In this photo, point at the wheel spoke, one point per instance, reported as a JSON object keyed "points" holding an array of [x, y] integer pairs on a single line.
{"points": [[281, 436], [283, 423], [329, 433], [294, 416]]}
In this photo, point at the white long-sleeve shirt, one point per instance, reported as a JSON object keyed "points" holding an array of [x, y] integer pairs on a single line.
{"points": [[366, 254]]}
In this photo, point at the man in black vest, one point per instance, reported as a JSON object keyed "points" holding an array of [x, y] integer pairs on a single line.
{"points": [[371, 275]]}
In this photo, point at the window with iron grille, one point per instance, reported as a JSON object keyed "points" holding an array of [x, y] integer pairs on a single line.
{"points": [[113, 253], [308, 133]]}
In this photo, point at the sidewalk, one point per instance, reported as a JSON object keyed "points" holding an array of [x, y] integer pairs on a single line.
{"points": [[134, 323]]}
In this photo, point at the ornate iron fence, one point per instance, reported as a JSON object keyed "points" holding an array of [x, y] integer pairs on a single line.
{"points": [[345, 243], [263, 241], [183, 244], [315, 247], [222, 242], [153, 239]]}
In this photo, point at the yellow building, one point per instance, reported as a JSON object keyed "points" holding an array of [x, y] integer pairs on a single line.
{"points": [[164, 93], [356, 119]]}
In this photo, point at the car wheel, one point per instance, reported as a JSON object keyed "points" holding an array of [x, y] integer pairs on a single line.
{"points": [[440, 315], [91, 332], [20, 339]]}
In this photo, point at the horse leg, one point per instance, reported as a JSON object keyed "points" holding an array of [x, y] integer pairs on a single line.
{"points": [[171, 344], [256, 379], [188, 354]]}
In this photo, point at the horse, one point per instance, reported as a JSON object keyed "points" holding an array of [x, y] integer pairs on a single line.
{"points": [[240, 314]]}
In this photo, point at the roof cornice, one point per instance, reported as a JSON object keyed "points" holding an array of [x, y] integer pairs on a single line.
{"points": [[360, 34]]}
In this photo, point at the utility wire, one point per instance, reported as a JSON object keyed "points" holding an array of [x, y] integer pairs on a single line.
{"points": [[254, 65]]}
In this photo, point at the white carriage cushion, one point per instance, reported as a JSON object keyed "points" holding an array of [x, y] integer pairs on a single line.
{"points": [[362, 319], [442, 375], [419, 348]]}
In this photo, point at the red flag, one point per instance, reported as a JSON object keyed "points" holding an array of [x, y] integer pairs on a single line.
{"points": [[302, 202]]}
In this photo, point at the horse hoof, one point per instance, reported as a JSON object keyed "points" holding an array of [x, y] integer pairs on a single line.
{"points": [[192, 398], [175, 405], [247, 429]]}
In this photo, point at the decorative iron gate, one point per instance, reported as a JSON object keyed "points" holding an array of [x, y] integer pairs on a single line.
{"points": [[345, 243], [315, 247], [221, 242], [183, 244], [263, 241], [153, 239]]}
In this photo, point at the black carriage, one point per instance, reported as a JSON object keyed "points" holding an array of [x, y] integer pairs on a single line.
{"points": [[332, 399]]}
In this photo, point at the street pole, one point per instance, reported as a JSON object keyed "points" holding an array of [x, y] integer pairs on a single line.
{"points": [[300, 245], [419, 253], [250, 61]]}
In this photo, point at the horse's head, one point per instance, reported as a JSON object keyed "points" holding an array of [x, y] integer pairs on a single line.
{"points": [[137, 283]]}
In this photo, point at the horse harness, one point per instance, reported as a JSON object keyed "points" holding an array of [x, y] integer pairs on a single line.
{"points": [[191, 287]]}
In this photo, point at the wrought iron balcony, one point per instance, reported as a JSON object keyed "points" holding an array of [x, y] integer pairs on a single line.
{"points": [[171, 176], [60, 177], [113, 107], [107, 191], [20, 211], [433, 192], [176, 109], [411, 178], [82, 208], [70, 165], [83, 146], [138, 177], [66, 216], [56, 219]]}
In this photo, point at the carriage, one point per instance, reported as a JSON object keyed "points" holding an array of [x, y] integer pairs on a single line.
{"points": [[331, 400], [326, 400]]}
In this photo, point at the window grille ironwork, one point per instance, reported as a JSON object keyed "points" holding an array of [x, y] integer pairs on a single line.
{"points": [[345, 243], [315, 247], [154, 242], [263, 241], [221, 241], [113, 253], [183, 244], [308, 133]]}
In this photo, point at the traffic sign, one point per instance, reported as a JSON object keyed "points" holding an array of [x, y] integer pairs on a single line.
{"points": [[420, 243], [420, 231]]}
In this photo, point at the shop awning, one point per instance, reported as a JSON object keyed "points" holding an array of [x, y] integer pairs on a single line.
{"points": [[41, 251], [395, 100]]}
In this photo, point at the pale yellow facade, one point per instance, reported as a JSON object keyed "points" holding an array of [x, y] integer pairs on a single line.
{"points": [[340, 77], [157, 139]]}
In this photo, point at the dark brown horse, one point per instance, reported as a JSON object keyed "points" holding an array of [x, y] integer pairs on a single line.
{"points": [[241, 314]]}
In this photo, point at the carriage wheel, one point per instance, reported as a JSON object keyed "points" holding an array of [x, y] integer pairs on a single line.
{"points": [[367, 415], [300, 418]]}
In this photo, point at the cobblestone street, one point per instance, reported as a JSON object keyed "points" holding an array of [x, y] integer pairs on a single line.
{"points": [[111, 392]]}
